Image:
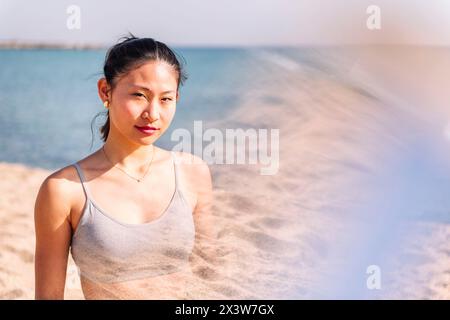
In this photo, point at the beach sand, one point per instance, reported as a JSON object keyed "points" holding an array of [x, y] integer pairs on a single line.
{"points": [[280, 235]]}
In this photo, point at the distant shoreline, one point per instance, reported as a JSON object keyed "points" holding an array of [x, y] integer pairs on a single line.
{"points": [[32, 45]]}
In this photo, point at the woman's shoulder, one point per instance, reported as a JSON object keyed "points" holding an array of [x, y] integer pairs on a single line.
{"points": [[193, 166], [66, 179], [54, 197], [61, 178], [189, 159]]}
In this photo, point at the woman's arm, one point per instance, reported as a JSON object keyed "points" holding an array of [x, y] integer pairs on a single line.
{"points": [[203, 209], [53, 234], [206, 224]]}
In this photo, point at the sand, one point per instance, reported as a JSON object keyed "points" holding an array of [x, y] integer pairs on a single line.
{"points": [[282, 236]]}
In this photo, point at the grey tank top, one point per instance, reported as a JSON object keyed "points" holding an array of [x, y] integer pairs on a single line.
{"points": [[107, 250]]}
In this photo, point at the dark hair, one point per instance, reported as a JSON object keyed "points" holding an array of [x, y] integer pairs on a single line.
{"points": [[130, 54]]}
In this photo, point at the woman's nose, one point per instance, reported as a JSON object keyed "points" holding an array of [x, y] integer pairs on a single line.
{"points": [[151, 113]]}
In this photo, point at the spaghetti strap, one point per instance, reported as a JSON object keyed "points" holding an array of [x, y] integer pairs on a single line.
{"points": [[177, 187], [82, 179], [175, 169]]}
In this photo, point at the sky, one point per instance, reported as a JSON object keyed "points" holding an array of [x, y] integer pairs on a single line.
{"points": [[228, 23]]}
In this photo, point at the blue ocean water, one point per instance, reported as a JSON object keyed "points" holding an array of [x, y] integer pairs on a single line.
{"points": [[48, 99]]}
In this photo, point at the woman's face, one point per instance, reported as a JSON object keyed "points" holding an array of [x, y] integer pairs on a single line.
{"points": [[145, 96]]}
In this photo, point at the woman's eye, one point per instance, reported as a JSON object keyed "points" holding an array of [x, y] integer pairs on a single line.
{"points": [[138, 94]]}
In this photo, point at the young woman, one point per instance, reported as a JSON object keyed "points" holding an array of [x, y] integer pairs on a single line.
{"points": [[129, 212]]}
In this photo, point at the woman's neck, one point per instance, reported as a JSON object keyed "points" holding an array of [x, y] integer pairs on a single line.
{"points": [[133, 157]]}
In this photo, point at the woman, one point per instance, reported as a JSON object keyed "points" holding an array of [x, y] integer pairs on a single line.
{"points": [[129, 212]]}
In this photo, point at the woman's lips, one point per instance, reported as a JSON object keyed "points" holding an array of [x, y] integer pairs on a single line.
{"points": [[147, 129]]}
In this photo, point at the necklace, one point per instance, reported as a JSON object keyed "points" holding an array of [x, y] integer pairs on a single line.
{"points": [[138, 180]]}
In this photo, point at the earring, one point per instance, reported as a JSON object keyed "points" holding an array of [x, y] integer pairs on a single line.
{"points": [[106, 103]]}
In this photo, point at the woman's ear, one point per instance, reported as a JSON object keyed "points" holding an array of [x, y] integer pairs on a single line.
{"points": [[103, 89]]}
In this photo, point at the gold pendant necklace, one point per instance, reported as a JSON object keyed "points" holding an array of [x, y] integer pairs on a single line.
{"points": [[138, 180]]}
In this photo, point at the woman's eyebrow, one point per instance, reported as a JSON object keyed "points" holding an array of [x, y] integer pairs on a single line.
{"points": [[145, 88]]}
